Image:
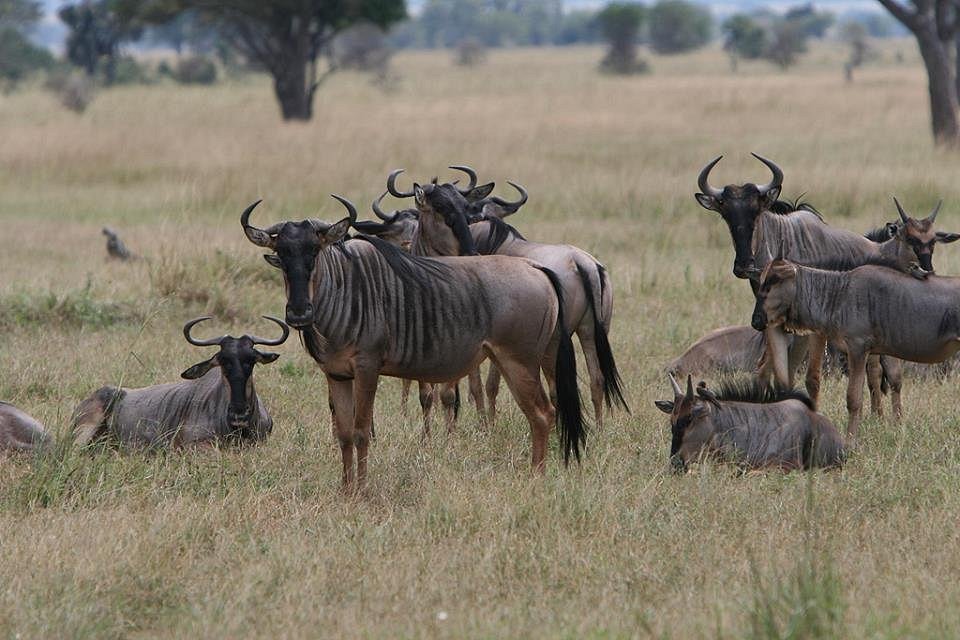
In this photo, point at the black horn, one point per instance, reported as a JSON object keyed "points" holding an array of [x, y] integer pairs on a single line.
{"points": [[777, 180], [259, 237], [936, 210], [392, 185], [689, 395], [703, 180], [379, 212], [903, 214], [351, 209], [677, 391], [510, 207], [470, 173], [213, 342], [273, 343]]}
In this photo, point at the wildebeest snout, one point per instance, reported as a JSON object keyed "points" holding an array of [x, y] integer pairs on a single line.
{"points": [[300, 317]]}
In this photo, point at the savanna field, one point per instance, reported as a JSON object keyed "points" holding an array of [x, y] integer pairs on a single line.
{"points": [[454, 537]]}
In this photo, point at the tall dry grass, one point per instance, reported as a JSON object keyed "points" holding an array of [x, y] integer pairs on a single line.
{"points": [[454, 537]]}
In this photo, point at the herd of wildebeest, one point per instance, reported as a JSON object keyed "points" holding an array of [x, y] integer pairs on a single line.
{"points": [[428, 293]]}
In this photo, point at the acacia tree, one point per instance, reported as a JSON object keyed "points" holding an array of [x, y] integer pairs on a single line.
{"points": [[287, 38], [620, 24], [934, 25]]}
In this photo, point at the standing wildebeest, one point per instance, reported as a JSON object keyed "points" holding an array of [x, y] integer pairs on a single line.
{"points": [[19, 431], [366, 309], [752, 425], [588, 294], [216, 400], [871, 309], [761, 226]]}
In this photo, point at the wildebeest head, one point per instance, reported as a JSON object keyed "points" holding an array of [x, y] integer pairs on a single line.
{"points": [[495, 207], [776, 291], [296, 246], [920, 235], [236, 359], [443, 212], [740, 205], [690, 433], [398, 227]]}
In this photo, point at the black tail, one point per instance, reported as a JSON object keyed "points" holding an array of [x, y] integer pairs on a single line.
{"points": [[570, 424], [456, 402], [612, 383]]}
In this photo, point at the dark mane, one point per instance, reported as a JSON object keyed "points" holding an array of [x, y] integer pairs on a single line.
{"points": [[407, 266], [751, 390], [784, 207], [498, 233], [850, 262], [880, 234]]}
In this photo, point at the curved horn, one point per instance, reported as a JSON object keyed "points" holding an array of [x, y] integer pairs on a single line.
{"points": [[511, 207], [273, 343], [392, 185], [213, 342], [777, 180], [470, 173], [351, 210], [379, 212], [677, 391], [903, 214], [704, 183], [936, 210], [257, 236]]}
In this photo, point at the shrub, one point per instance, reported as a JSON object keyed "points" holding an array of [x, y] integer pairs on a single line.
{"points": [[470, 52], [676, 26], [196, 70], [74, 89], [19, 58], [620, 24]]}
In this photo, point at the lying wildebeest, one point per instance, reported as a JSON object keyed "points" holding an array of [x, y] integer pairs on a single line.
{"points": [[761, 225], [216, 400], [752, 425], [870, 309], [19, 431], [115, 247], [366, 309], [588, 294], [727, 350]]}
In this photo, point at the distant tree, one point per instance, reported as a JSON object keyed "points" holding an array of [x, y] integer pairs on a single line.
{"points": [[577, 27], [287, 38], [743, 38], [96, 32], [855, 35], [810, 22], [785, 44], [675, 26], [620, 25], [470, 52], [18, 56], [935, 28]]}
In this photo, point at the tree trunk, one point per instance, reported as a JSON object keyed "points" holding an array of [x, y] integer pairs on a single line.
{"points": [[941, 84], [293, 93]]}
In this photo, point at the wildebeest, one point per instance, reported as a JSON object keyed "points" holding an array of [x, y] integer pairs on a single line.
{"points": [[752, 425], [762, 226], [215, 401], [20, 431], [115, 247], [870, 309], [366, 309], [588, 293], [724, 351]]}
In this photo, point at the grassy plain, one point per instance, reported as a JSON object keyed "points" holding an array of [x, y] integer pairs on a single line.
{"points": [[454, 538]]}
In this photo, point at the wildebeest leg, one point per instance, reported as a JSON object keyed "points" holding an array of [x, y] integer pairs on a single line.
{"points": [[857, 363], [364, 393], [492, 388], [475, 384], [426, 405], [523, 380], [449, 399], [404, 396], [816, 344], [777, 342], [341, 399], [874, 384], [893, 369], [589, 347]]}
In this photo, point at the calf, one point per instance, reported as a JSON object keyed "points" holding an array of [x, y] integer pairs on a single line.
{"points": [[216, 400], [751, 425], [19, 431]]}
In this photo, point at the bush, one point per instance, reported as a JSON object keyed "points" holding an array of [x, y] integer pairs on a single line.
{"points": [[470, 52], [196, 70], [676, 26], [19, 58], [743, 37], [127, 70], [620, 24], [73, 88]]}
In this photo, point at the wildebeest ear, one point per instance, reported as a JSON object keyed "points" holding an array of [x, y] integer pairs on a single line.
{"points": [[772, 195], [481, 192], [707, 202], [783, 271], [199, 370], [664, 405], [266, 358], [338, 231], [418, 193], [273, 260], [893, 229], [944, 236]]}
